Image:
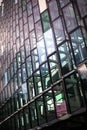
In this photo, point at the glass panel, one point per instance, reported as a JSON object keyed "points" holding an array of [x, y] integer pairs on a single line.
{"points": [[38, 28], [60, 102], [82, 4], [69, 16], [45, 76], [31, 89], [29, 8], [35, 59], [20, 98], [31, 23], [24, 75], [22, 49], [29, 66], [37, 83], [49, 41], [64, 2], [45, 21], [34, 2], [21, 119], [42, 5], [59, 30], [41, 110], [19, 77], [41, 51], [66, 58], [79, 47], [16, 102], [53, 9], [33, 114], [25, 92], [15, 82], [32, 39], [27, 47], [73, 92], [26, 31], [26, 117], [17, 122], [49, 104], [54, 68], [36, 14], [18, 58]]}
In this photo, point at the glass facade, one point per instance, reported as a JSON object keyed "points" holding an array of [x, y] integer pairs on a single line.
{"points": [[43, 62]]}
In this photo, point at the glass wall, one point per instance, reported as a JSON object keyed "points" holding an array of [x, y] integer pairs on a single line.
{"points": [[43, 61]]}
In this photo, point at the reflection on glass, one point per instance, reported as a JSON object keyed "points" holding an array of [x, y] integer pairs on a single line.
{"points": [[73, 92], [35, 59], [27, 47], [29, 66], [49, 103], [45, 76], [18, 58], [53, 9], [54, 68], [22, 54], [66, 58], [40, 110], [37, 82], [33, 114], [31, 89], [24, 75], [36, 13], [59, 30], [19, 77], [49, 41], [32, 39], [24, 92], [82, 4], [45, 20], [79, 46], [41, 51], [69, 16], [60, 102]]}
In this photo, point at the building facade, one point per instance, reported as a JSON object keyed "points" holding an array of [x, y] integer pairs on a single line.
{"points": [[43, 64]]}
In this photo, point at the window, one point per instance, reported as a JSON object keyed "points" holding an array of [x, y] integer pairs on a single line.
{"points": [[45, 21], [49, 41], [45, 76], [54, 68], [49, 103], [41, 51], [79, 47], [36, 13], [64, 2], [66, 58], [53, 9], [60, 102], [29, 66], [42, 5], [73, 92], [70, 18], [24, 75], [32, 39]]}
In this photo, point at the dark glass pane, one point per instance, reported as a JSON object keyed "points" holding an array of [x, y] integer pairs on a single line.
{"points": [[29, 66], [65, 58], [45, 76], [21, 119], [33, 112], [49, 104], [73, 92], [45, 21], [31, 89], [37, 82], [40, 110], [24, 92], [79, 47], [54, 68]]}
